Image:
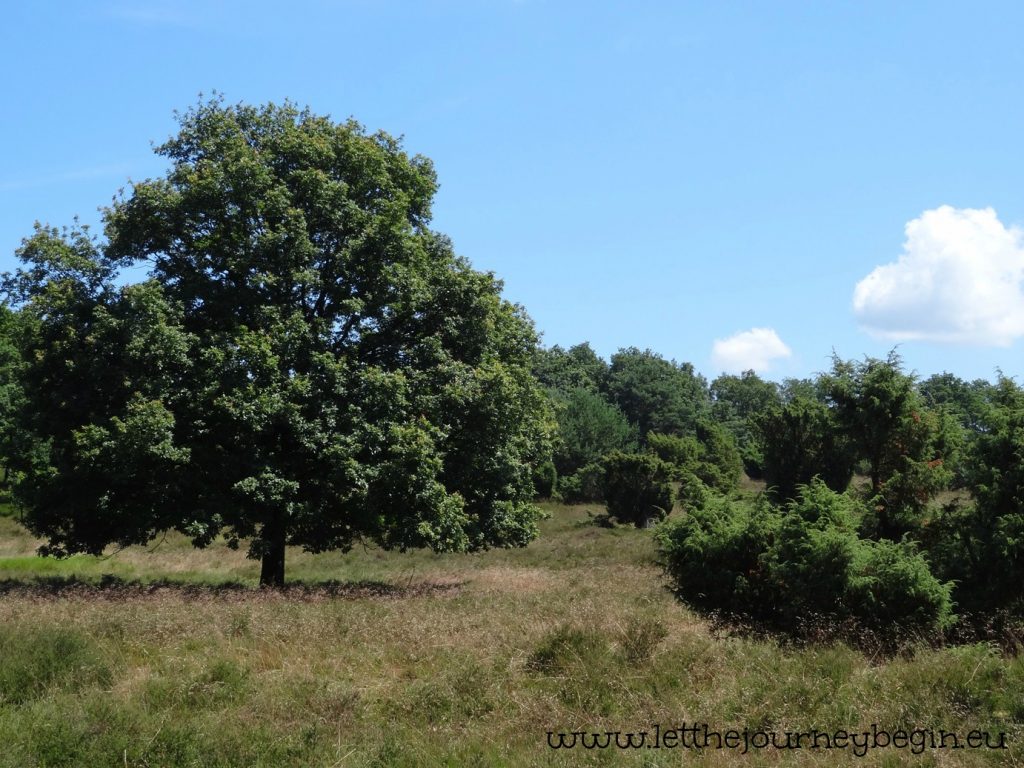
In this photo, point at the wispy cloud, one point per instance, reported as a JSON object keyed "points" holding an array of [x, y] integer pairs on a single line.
{"points": [[65, 177]]}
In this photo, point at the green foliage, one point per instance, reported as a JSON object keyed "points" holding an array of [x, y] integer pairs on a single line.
{"points": [[308, 364], [585, 485], [878, 407], [799, 441], [981, 545], [710, 455], [563, 371], [657, 395], [11, 396], [588, 428], [804, 563], [545, 476], [636, 488], [692, 492], [713, 553], [808, 564], [681, 453], [720, 460], [736, 402], [967, 401], [891, 583], [958, 403]]}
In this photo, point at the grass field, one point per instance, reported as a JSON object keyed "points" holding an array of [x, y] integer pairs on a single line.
{"points": [[384, 659]]}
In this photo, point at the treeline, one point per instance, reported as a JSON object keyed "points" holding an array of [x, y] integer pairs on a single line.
{"points": [[857, 521], [308, 363]]}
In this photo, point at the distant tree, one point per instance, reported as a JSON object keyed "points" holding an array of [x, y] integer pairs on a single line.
{"points": [[588, 428], [980, 544], [966, 404], [564, 371], [878, 407], [736, 400], [740, 397], [799, 441], [657, 395], [11, 395], [308, 363], [967, 401], [809, 389]]}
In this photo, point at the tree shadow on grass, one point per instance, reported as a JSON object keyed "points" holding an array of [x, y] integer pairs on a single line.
{"points": [[114, 588]]}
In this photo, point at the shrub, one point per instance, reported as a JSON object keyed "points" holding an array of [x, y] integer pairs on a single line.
{"points": [[801, 562], [808, 563], [680, 453], [586, 485], [544, 479], [692, 493], [800, 441], [636, 488], [891, 583], [713, 554], [711, 455], [720, 460]]}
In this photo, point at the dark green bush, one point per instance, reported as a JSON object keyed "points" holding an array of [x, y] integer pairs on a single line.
{"points": [[692, 493], [713, 554], [800, 562], [799, 441], [710, 454], [891, 583], [721, 465], [680, 453], [981, 544], [586, 485], [636, 488], [544, 479]]}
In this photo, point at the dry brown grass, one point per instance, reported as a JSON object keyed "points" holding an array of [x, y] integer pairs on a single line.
{"points": [[435, 662]]}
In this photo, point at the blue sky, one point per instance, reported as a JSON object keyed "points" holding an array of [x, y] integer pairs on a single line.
{"points": [[786, 177]]}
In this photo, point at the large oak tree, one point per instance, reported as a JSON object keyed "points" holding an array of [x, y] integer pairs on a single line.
{"points": [[308, 362]]}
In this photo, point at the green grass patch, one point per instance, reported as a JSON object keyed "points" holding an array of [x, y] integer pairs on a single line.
{"points": [[38, 660], [188, 664]]}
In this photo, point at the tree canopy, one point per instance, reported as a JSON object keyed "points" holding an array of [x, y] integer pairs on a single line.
{"points": [[904, 445], [657, 395], [308, 362]]}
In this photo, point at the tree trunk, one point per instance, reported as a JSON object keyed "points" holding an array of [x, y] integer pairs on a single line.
{"points": [[272, 567]]}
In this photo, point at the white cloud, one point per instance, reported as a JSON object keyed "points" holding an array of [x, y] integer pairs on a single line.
{"points": [[748, 350], [958, 280]]}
